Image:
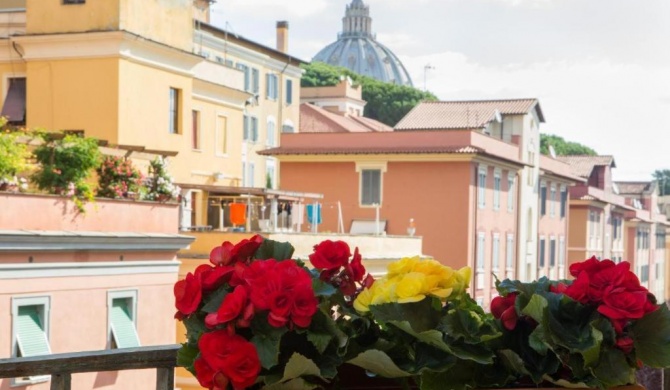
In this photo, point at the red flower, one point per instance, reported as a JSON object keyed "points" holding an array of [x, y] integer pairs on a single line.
{"points": [[625, 344], [589, 266], [619, 304], [213, 277], [503, 309], [579, 289], [231, 307], [188, 294], [230, 355], [281, 303], [209, 378], [330, 254], [356, 270], [228, 253], [305, 305]]}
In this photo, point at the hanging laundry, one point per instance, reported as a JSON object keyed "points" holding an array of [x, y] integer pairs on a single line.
{"points": [[314, 213], [238, 213]]}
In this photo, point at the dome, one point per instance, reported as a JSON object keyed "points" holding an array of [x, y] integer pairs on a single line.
{"points": [[357, 49]]}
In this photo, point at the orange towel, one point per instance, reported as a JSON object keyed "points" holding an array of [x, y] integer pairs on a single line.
{"points": [[238, 213]]}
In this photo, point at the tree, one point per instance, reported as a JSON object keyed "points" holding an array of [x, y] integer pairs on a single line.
{"points": [[386, 102], [563, 147], [662, 176]]}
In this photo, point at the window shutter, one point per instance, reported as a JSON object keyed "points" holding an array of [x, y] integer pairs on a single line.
{"points": [[543, 200], [289, 91], [245, 126], [254, 129], [122, 325], [255, 80], [267, 85], [30, 332]]}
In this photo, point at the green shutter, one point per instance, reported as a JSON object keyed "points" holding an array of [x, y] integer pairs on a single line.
{"points": [[122, 325], [30, 332]]}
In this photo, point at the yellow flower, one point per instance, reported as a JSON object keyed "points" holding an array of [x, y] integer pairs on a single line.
{"points": [[402, 266], [461, 279], [412, 287], [363, 300]]}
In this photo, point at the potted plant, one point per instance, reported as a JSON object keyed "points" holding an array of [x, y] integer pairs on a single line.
{"points": [[65, 164], [118, 178], [159, 184], [595, 331], [13, 155], [255, 318]]}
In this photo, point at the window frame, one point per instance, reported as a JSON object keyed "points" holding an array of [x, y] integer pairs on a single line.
{"points": [[45, 302], [221, 136], [495, 255], [509, 255], [552, 200], [196, 140], [122, 294], [497, 188], [174, 106], [480, 260], [371, 166], [270, 132], [481, 186], [511, 189], [272, 86]]}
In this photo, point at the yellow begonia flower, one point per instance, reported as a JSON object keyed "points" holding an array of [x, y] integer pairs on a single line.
{"points": [[411, 286], [402, 266], [362, 302]]}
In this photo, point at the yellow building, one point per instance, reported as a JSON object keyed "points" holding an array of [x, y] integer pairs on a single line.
{"points": [[144, 76]]}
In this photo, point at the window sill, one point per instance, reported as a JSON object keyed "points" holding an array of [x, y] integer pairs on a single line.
{"points": [[197, 150], [21, 382], [370, 206]]}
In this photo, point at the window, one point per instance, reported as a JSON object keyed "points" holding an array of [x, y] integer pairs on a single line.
{"points": [[271, 130], [510, 192], [30, 332], [481, 187], [481, 241], [564, 201], [542, 252], [543, 199], [195, 128], [509, 255], [371, 181], [14, 108], [255, 81], [561, 254], [271, 86], [245, 128], [288, 127], [552, 201], [495, 256], [173, 124], [496, 190], [289, 91], [221, 135], [122, 325], [250, 173], [552, 252], [270, 174], [247, 76], [253, 127]]}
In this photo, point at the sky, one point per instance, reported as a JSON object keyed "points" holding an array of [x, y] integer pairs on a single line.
{"points": [[600, 68]]}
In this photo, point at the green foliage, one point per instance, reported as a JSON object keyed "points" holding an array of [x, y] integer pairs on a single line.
{"points": [[563, 147], [651, 338], [663, 178], [64, 166], [117, 178], [386, 102], [13, 154]]}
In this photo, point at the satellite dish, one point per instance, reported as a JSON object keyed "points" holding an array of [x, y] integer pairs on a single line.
{"points": [[552, 151]]}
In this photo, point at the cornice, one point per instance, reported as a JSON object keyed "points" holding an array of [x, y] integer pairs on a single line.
{"points": [[73, 269], [111, 44], [63, 241]]}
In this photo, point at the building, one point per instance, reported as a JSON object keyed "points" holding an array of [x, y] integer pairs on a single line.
{"points": [[74, 282], [209, 99], [358, 50]]}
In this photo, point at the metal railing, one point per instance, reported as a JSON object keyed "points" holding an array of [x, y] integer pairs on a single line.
{"points": [[61, 366]]}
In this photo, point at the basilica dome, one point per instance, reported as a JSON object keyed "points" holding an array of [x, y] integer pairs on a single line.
{"points": [[357, 49]]}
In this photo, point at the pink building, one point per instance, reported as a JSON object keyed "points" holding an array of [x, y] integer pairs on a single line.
{"points": [[72, 282]]}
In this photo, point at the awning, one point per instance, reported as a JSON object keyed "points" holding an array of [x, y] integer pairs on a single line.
{"points": [[14, 108], [264, 192]]}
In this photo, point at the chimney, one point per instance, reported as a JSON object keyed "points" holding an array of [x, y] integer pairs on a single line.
{"points": [[201, 10], [282, 36]]}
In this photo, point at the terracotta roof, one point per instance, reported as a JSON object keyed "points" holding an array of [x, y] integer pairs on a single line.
{"points": [[463, 114], [633, 187], [372, 150], [314, 119], [582, 166]]}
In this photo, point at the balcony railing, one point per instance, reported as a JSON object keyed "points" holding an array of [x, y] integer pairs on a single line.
{"points": [[61, 366]]}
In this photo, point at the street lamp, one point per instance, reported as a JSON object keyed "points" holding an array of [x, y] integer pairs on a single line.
{"points": [[426, 68]]}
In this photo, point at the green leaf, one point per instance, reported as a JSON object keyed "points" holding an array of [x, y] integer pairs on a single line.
{"points": [[300, 366], [266, 339], [536, 340], [186, 356], [535, 308], [195, 326], [651, 334], [592, 354], [513, 361], [431, 337], [379, 363], [271, 249], [322, 289], [213, 302], [459, 377], [319, 340], [613, 369], [421, 315], [293, 384]]}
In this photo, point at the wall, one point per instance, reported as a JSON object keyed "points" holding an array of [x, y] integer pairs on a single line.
{"points": [[552, 225], [74, 94], [52, 16], [50, 212], [578, 233]]}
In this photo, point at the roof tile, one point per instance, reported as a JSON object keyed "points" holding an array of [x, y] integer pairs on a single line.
{"points": [[582, 166]]}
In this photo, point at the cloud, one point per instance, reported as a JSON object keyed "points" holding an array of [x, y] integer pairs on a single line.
{"points": [[260, 9]]}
